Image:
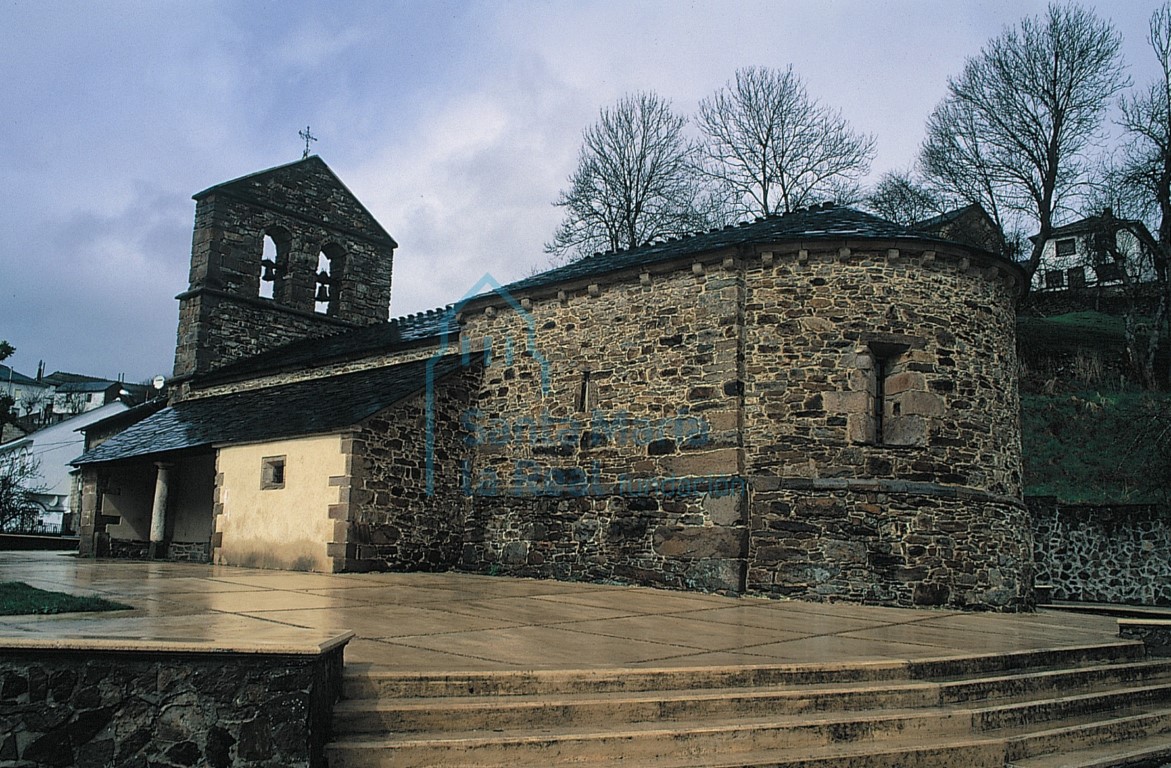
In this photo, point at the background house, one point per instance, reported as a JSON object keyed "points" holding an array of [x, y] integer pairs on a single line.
{"points": [[52, 448], [1095, 251]]}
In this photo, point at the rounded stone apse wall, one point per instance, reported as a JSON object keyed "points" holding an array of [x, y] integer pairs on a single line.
{"points": [[859, 397]]}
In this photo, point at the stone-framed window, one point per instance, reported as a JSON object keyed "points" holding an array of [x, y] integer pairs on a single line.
{"points": [[272, 473], [885, 407]]}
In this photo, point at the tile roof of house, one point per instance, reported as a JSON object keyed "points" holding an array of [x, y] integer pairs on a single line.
{"points": [[382, 338], [819, 222], [302, 408]]}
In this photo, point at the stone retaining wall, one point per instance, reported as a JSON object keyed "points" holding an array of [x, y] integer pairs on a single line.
{"points": [[1102, 553], [95, 707]]}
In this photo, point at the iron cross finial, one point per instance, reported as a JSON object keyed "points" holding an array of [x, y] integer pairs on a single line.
{"points": [[308, 137]]}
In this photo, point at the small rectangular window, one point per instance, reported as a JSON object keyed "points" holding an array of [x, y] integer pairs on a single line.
{"points": [[272, 473], [1054, 278], [1066, 248], [1077, 277]]}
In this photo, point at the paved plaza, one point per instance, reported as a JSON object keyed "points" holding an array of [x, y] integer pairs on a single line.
{"points": [[432, 622]]}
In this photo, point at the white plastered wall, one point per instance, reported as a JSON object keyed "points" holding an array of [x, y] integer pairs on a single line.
{"points": [[288, 527]]}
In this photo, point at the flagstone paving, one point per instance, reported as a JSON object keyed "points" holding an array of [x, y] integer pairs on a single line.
{"points": [[454, 621]]}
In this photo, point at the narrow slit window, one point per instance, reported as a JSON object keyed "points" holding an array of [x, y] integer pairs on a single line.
{"points": [[583, 393]]}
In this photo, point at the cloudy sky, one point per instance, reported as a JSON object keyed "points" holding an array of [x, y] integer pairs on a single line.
{"points": [[456, 123]]}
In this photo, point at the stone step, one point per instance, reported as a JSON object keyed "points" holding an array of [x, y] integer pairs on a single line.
{"points": [[1103, 738], [1030, 713], [1075, 720], [640, 743], [1132, 741], [375, 683], [953, 754], [484, 712], [1149, 752]]}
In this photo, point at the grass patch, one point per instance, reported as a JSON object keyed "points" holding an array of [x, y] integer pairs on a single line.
{"points": [[17, 598], [1092, 448]]}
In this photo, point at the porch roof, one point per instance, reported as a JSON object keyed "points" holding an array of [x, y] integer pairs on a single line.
{"points": [[301, 408]]}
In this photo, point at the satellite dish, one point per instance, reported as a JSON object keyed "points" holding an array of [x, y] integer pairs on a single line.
{"points": [[158, 382]]}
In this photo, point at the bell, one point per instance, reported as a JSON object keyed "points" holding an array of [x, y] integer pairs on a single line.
{"points": [[322, 293], [269, 274]]}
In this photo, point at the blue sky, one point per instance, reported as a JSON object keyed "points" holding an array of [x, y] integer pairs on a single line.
{"points": [[456, 123]]}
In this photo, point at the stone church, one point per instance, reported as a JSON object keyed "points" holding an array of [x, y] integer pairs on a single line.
{"points": [[819, 405]]}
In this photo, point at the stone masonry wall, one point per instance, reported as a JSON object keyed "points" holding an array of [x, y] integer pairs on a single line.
{"points": [[603, 417], [215, 330], [102, 708], [1103, 553], [772, 367], [693, 540], [924, 509], [893, 543], [394, 523]]}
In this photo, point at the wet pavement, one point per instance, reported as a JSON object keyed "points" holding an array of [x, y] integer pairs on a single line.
{"points": [[431, 622]]}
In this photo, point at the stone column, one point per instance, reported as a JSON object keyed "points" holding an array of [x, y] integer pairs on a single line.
{"points": [[158, 512]]}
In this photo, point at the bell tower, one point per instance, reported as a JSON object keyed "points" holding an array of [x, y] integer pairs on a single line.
{"points": [[277, 256]]}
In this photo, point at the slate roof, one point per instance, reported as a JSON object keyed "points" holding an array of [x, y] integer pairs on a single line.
{"points": [[16, 377], [1106, 222], [301, 408], [382, 338], [825, 221], [946, 217], [86, 386], [821, 222]]}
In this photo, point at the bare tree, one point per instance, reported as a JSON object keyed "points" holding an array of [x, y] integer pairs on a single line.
{"points": [[904, 199], [1016, 125], [773, 148], [19, 483], [635, 181], [1143, 182]]}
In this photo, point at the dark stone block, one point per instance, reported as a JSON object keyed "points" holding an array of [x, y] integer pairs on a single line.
{"points": [[929, 594], [90, 723], [50, 749], [660, 447], [255, 739], [219, 747], [13, 687], [97, 754], [184, 753]]}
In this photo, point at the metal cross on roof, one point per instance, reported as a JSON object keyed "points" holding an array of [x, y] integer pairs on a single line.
{"points": [[308, 137]]}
